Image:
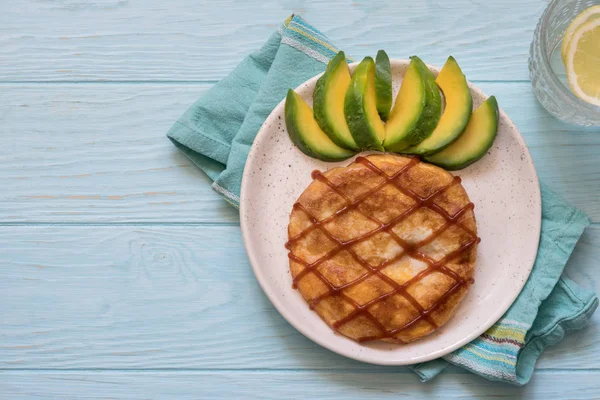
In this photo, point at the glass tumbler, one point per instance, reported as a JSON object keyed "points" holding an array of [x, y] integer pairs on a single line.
{"points": [[547, 71]]}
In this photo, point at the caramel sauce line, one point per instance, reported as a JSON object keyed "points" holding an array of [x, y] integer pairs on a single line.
{"points": [[343, 245], [351, 205], [408, 250]]}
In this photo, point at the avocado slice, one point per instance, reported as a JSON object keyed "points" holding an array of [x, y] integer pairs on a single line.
{"points": [[328, 102], [306, 134], [474, 142], [360, 108], [456, 115], [417, 109], [383, 84]]}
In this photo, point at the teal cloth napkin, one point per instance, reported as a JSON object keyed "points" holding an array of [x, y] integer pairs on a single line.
{"points": [[217, 131]]}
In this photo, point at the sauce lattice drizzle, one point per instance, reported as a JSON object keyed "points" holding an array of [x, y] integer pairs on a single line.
{"points": [[412, 250]]}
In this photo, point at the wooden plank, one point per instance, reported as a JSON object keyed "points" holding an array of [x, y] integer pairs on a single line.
{"points": [[98, 153], [180, 40], [286, 385], [174, 297], [90, 153]]}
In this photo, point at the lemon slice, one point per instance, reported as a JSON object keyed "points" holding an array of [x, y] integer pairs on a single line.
{"points": [[582, 61], [585, 16]]}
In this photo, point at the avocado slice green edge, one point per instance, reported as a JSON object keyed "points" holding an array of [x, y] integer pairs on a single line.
{"points": [[306, 134], [360, 108], [328, 102], [454, 119], [383, 84], [474, 142], [426, 115]]}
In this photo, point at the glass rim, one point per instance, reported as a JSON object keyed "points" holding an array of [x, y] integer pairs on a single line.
{"points": [[544, 21]]}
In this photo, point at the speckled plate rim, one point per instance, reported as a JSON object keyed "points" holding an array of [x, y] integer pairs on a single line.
{"points": [[339, 343]]}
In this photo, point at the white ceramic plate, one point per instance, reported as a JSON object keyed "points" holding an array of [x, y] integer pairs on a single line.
{"points": [[503, 185]]}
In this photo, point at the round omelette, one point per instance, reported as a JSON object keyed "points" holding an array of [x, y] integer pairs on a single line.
{"points": [[383, 249]]}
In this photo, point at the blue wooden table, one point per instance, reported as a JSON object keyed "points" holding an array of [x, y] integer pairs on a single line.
{"points": [[124, 276]]}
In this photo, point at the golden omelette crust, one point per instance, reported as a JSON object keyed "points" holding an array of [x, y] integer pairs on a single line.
{"points": [[384, 248]]}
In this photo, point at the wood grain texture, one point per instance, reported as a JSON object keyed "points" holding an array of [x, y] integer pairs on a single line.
{"points": [[176, 297], [286, 385], [183, 40], [90, 153], [158, 299], [98, 153]]}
